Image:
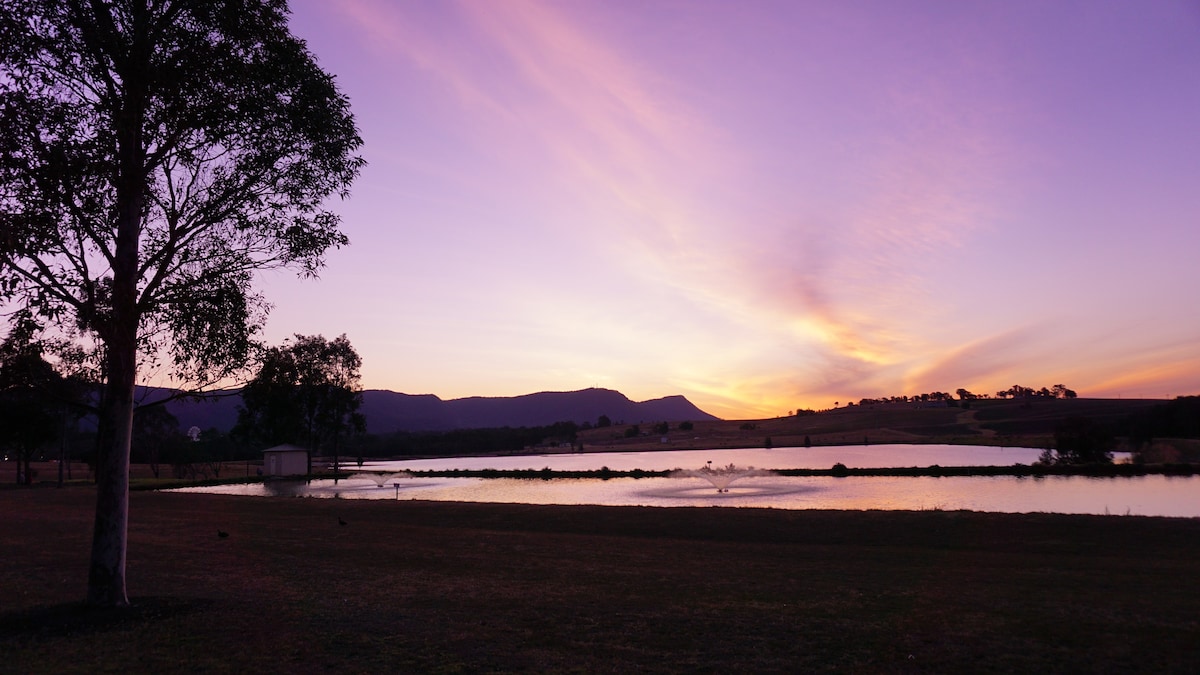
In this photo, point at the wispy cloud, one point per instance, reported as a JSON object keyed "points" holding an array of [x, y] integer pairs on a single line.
{"points": [[986, 362], [847, 290], [764, 204], [1152, 371]]}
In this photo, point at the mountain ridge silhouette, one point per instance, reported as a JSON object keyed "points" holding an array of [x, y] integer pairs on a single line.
{"points": [[390, 411]]}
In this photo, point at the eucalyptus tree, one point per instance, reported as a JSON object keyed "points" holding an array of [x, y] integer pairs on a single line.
{"points": [[307, 392], [154, 155]]}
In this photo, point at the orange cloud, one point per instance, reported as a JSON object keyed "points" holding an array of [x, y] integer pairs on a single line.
{"points": [[1162, 375], [984, 363]]}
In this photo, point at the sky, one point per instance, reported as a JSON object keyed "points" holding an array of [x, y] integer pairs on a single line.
{"points": [[763, 206]]}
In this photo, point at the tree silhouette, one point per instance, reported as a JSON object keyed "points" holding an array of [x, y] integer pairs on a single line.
{"points": [[1060, 391], [307, 392], [29, 416], [153, 156], [155, 430], [1082, 440]]}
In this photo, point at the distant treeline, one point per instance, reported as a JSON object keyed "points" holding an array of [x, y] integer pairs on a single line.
{"points": [[1179, 418], [157, 441], [1015, 391], [465, 441]]}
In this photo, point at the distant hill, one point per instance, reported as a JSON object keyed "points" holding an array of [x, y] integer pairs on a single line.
{"points": [[389, 411], [1003, 422]]}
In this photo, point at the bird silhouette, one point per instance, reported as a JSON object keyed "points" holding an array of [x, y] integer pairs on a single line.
{"points": [[340, 521], [222, 534]]}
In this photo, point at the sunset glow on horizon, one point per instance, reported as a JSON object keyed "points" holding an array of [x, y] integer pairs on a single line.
{"points": [[763, 206]]}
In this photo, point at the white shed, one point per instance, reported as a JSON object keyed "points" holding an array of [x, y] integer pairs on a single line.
{"points": [[285, 460]]}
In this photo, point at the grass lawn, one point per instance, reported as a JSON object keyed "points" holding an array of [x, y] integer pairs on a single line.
{"points": [[447, 588]]}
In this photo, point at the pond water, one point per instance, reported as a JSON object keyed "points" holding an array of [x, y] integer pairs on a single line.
{"points": [[1142, 495], [858, 456]]}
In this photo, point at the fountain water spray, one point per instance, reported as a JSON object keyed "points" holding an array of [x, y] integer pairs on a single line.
{"points": [[381, 478], [720, 477]]}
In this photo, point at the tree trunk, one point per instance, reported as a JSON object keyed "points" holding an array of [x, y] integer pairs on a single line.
{"points": [[106, 577], [62, 451], [119, 331]]}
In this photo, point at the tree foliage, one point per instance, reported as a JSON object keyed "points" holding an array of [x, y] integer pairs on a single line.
{"points": [[30, 412], [1015, 391], [197, 139], [463, 442], [156, 436], [307, 392], [155, 154], [1081, 440], [1019, 391]]}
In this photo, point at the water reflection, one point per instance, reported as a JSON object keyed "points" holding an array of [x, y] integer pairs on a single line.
{"points": [[1140, 495], [860, 456]]}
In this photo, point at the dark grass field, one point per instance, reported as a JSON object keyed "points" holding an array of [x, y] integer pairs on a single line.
{"points": [[449, 588]]}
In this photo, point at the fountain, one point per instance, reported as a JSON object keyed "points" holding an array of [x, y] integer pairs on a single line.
{"points": [[720, 477], [381, 478]]}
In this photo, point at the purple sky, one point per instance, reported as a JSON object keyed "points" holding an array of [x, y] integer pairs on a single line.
{"points": [[764, 205]]}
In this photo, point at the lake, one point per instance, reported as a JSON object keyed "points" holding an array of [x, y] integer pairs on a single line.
{"points": [[858, 456], [1141, 495]]}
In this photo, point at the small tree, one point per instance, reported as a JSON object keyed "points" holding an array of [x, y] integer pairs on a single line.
{"points": [[155, 433]]}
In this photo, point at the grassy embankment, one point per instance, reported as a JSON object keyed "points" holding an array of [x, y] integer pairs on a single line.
{"points": [[1003, 422], [443, 587]]}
